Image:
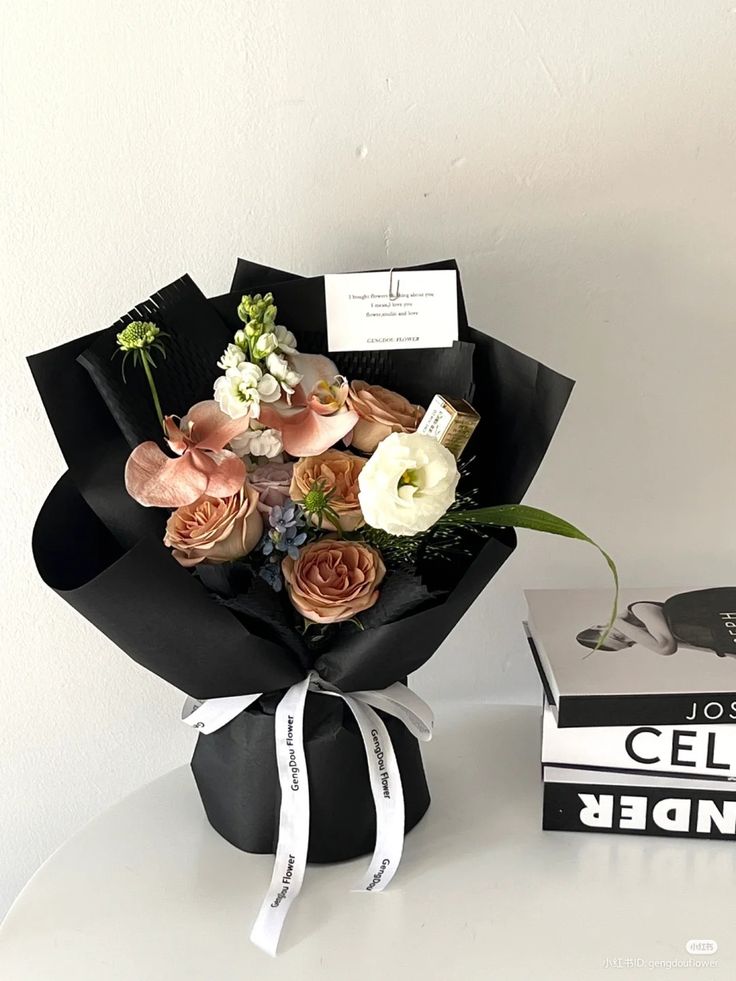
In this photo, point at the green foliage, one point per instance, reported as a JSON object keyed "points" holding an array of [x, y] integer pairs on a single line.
{"points": [[448, 538], [395, 549], [522, 516]]}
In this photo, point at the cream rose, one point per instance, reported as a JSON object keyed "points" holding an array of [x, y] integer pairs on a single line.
{"points": [[333, 579], [381, 412], [273, 483], [408, 484], [215, 529], [337, 473]]}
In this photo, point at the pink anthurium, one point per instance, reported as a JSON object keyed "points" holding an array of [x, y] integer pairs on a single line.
{"points": [[202, 466], [318, 416]]}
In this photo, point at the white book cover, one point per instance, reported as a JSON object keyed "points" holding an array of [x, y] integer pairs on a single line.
{"points": [[683, 751], [603, 778], [670, 657]]}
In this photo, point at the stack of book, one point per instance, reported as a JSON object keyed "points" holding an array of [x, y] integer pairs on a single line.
{"points": [[638, 736]]}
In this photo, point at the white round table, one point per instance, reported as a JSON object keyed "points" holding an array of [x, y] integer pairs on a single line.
{"points": [[149, 892]]}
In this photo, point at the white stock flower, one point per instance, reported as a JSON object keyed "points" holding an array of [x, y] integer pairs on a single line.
{"points": [[285, 339], [257, 441], [408, 484], [266, 344], [283, 372], [232, 356], [242, 389], [268, 388], [235, 398]]}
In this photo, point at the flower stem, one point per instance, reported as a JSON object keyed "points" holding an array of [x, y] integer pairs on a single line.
{"points": [[152, 386]]}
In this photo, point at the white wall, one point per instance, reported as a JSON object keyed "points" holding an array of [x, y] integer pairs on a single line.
{"points": [[576, 158]]}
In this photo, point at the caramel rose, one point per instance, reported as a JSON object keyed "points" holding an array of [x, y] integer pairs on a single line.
{"points": [[381, 413], [215, 529], [335, 473], [272, 481], [333, 579]]}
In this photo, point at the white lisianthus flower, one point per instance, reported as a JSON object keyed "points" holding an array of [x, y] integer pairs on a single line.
{"points": [[266, 344], [232, 356], [257, 441], [283, 372], [408, 484], [242, 389], [286, 341]]}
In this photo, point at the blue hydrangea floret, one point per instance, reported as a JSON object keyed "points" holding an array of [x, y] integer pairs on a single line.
{"points": [[284, 535]]}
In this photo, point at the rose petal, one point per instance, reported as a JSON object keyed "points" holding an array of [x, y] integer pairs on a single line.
{"points": [[155, 480], [186, 559], [245, 535], [367, 435]]}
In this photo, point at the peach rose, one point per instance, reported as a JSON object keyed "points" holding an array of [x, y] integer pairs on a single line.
{"points": [[381, 413], [272, 481], [215, 529], [333, 579], [337, 472]]}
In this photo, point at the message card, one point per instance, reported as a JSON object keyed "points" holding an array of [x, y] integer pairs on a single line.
{"points": [[386, 311]]}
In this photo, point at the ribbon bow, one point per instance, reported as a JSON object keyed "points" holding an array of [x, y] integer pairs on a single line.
{"points": [[383, 771]]}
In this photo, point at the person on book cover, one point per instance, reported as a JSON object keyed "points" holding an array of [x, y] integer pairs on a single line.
{"points": [[702, 620]]}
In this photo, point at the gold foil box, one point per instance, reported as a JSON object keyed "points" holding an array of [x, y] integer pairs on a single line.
{"points": [[451, 422]]}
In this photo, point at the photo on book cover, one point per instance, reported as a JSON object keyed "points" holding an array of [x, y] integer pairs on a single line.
{"points": [[661, 641], [703, 620]]}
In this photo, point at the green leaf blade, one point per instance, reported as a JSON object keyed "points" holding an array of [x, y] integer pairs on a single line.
{"points": [[535, 519]]}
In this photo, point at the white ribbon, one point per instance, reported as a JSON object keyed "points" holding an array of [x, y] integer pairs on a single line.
{"points": [[383, 770]]}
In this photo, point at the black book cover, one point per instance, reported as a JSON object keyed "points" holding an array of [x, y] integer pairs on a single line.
{"points": [[645, 805]]}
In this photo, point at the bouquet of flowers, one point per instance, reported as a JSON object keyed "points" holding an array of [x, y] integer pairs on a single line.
{"points": [[262, 526]]}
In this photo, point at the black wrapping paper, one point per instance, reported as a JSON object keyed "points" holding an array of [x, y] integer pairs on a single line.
{"points": [[236, 767], [104, 555]]}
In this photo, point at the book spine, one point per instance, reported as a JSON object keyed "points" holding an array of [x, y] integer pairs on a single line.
{"points": [[632, 710], [639, 810]]}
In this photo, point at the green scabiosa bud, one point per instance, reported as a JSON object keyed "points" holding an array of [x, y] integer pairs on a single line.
{"points": [[139, 334], [139, 339]]}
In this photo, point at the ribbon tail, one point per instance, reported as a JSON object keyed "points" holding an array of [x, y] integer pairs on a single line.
{"points": [[215, 713], [388, 797], [293, 840]]}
